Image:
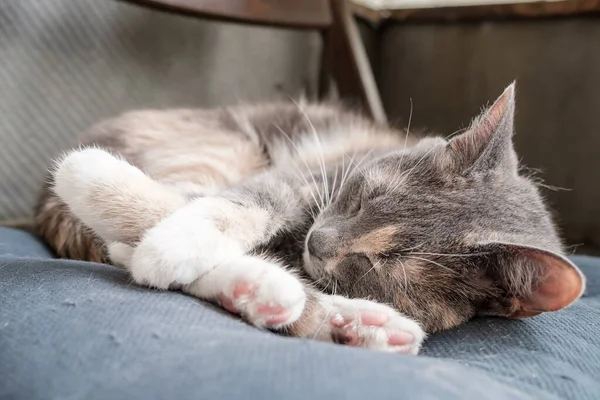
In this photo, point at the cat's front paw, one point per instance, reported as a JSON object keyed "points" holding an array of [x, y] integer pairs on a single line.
{"points": [[87, 180], [363, 323], [259, 290], [180, 249]]}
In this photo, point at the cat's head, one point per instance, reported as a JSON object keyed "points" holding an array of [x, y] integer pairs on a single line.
{"points": [[446, 230]]}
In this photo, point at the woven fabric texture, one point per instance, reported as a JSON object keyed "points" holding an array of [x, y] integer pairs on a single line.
{"points": [[82, 331]]}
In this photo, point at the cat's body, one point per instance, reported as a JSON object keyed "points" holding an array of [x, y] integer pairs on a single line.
{"points": [[236, 204], [203, 151]]}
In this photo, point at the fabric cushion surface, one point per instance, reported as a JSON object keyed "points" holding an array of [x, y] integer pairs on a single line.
{"points": [[79, 330]]}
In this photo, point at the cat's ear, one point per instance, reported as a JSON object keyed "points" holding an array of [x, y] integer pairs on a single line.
{"points": [[487, 144], [538, 280]]}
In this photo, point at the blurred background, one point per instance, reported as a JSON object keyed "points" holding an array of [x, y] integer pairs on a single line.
{"points": [[65, 65]]}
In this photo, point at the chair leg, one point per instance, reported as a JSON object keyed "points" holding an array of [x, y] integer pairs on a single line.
{"points": [[345, 57]]}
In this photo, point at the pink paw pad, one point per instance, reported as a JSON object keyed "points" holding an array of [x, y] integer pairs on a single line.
{"points": [[273, 314], [244, 302], [242, 289], [373, 319], [368, 325], [400, 338]]}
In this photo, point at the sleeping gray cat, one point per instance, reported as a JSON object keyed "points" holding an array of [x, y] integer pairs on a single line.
{"points": [[311, 221]]}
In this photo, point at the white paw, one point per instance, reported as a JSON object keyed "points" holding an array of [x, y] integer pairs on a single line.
{"points": [[85, 179], [363, 323], [180, 249], [80, 167], [261, 291]]}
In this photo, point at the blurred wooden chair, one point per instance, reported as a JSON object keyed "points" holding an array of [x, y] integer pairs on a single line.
{"points": [[344, 59]]}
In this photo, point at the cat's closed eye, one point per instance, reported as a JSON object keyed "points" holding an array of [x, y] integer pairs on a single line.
{"points": [[354, 204]]}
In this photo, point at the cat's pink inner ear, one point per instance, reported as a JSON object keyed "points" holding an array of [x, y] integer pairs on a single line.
{"points": [[561, 285]]}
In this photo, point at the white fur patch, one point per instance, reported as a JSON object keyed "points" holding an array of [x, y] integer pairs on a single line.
{"points": [[180, 249], [245, 225], [206, 232]]}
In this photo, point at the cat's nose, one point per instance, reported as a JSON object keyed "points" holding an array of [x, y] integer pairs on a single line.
{"points": [[322, 243]]}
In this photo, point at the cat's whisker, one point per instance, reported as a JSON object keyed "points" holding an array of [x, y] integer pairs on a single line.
{"points": [[325, 179], [405, 276], [341, 178], [391, 189], [306, 165], [432, 262], [375, 265], [357, 167], [319, 204], [407, 132], [450, 255], [301, 176], [327, 315], [412, 248], [367, 154], [328, 283], [409, 122], [333, 185], [321, 279], [551, 187], [345, 171], [364, 175], [309, 187], [318, 140]]}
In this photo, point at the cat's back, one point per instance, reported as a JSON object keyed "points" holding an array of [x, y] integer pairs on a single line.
{"points": [[222, 146]]}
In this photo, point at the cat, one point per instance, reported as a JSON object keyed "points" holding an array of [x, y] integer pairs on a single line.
{"points": [[312, 221]]}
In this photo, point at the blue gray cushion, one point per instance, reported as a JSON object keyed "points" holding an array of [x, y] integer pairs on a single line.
{"points": [[82, 331]]}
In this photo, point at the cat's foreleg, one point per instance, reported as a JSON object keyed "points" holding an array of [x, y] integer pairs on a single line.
{"points": [[112, 197], [210, 231], [255, 287], [259, 289], [165, 241], [174, 240]]}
